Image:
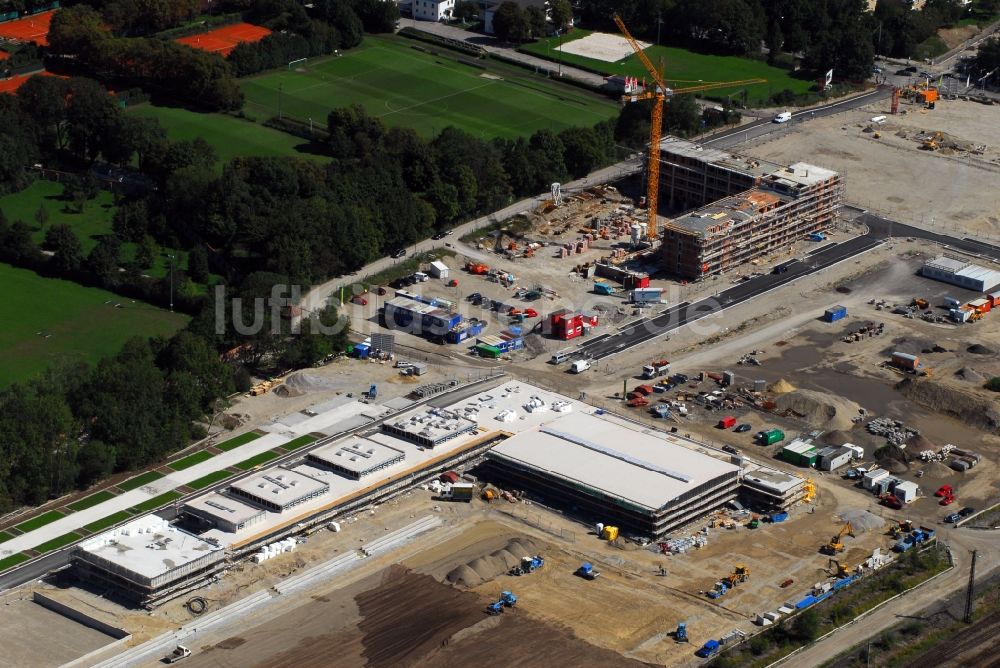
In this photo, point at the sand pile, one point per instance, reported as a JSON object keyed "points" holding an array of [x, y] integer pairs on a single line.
{"points": [[979, 349], [862, 520], [937, 470], [782, 387], [919, 443], [836, 437], [484, 569], [970, 375], [819, 409]]}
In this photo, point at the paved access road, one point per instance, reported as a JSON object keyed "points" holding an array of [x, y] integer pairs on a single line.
{"points": [[879, 229]]}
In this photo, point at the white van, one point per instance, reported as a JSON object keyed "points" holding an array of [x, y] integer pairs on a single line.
{"points": [[783, 117], [579, 366]]}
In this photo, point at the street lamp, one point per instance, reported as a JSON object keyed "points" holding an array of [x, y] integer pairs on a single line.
{"points": [[171, 257]]}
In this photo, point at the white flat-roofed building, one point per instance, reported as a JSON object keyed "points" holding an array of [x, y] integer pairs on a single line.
{"points": [[642, 480], [278, 489], [961, 273], [430, 427], [432, 10], [144, 558], [223, 512], [771, 489], [356, 457]]}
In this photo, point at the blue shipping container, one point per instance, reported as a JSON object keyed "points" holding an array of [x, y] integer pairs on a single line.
{"points": [[806, 602], [834, 314]]}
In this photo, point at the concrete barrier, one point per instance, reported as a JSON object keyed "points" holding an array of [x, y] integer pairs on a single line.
{"points": [[78, 616]]}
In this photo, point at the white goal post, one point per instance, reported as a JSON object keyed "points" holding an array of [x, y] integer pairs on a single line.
{"points": [[293, 63]]}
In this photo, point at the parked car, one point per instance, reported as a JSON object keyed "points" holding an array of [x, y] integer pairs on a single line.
{"points": [[954, 517], [743, 427], [730, 449], [398, 253], [441, 235], [965, 512], [530, 313], [475, 296]]}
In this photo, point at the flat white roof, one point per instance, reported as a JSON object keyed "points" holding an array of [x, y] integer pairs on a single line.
{"points": [[777, 481], [641, 466], [799, 446], [433, 423], [945, 263], [802, 173], [279, 485], [356, 454], [224, 507], [148, 546]]}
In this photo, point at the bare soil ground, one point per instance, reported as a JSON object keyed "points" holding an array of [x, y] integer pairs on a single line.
{"points": [[892, 174], [953, 37], [35, 636]]}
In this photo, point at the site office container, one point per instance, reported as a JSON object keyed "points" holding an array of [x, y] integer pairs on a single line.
{"points": [[906, 361], [834, 314], [772, 436]]}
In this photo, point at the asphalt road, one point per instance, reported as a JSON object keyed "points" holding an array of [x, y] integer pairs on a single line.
{"points": [[879, 229]]}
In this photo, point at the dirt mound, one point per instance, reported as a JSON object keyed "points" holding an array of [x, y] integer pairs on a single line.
{"points": [[782, 387], [961, 403], [919, 443], [970, 375], [937, 470], [819, 409], [980, 349], [837, 437], [862, 520], [485, 568], [286, 391], [891, 465]]}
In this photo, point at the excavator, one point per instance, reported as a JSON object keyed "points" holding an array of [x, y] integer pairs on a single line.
{"points": [[835, 546], [659, 94], [901, 528], [933, 143], [838, 569]]}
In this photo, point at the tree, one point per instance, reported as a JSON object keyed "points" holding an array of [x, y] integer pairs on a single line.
{"points": [[377, 16], [511, 24], [17, 243], [993, 384], [146, 253], [536, 20], [774, 41], [197, 267], [41, 216], [682, 116], [66, 247], [97, 461], [562, 14], [104, 259], [465, 10], [805, 626], [582, 151]]}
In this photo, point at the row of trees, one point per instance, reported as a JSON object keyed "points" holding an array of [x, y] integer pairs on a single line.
{"points": [[512, 23]]}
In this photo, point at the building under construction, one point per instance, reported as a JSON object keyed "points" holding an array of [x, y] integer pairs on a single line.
{"points": [[762, 208]]}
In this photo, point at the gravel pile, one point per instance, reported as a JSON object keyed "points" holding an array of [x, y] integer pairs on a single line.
{"points": [[862, 520]]}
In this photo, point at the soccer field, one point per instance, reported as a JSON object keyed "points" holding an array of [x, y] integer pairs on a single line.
{"points": [[682, 68], [411, 88], [47, 320]]}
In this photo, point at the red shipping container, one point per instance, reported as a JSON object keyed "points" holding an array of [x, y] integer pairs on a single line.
{"points": [[727, 422]]}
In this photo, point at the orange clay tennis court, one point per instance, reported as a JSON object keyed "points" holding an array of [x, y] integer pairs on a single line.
{"points": [[11, 85], [223, 40], [4, 55], [34, 28]]}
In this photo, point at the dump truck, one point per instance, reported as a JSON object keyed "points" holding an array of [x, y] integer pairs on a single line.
{"points": [[477, 268], [459, 491]]}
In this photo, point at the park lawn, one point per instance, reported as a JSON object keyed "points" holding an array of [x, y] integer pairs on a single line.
{"points": [[90, 225], [683, 68], [49, 320], [155, 502], [256, 460], [140, 480], [236, 442], [208, 480], [191, 460], [109, 521], [407, 87], [231, 137], [13, 560], [57, 542], [91, 500], [299, 442], [40, 521]]}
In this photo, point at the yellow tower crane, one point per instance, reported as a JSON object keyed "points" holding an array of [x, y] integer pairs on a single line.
{"points": [[658, 95]]}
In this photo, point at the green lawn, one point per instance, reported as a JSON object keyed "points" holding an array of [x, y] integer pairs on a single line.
{"points": [[91, 500], [234, 443], [57, 542], [299, 442], [191, 460], [256, 460], [40, 521], [683, 68], [13, 560], [208, 480], [93, 223], [140, 480], [109, 521], [4, 536], [155, 502], [230, 137], [410, 88], [47, 320]]}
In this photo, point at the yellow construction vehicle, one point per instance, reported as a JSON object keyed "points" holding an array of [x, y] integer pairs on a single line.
{"points": [[933, 143], [835, 546], [838, 569]]}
